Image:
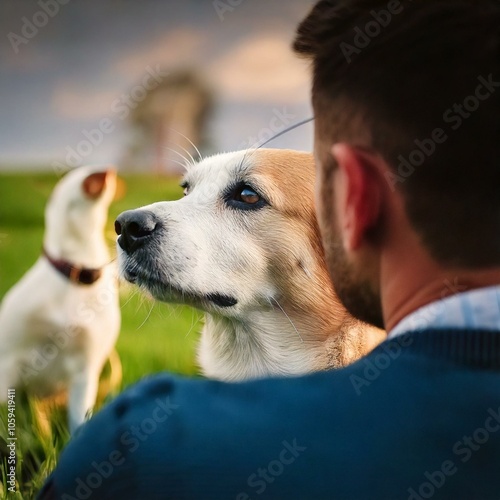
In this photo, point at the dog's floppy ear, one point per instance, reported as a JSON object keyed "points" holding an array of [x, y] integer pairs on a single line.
{"points": [[93, 185]]}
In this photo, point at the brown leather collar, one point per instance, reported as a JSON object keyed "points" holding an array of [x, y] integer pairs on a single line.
{"points": [[79, 275]]}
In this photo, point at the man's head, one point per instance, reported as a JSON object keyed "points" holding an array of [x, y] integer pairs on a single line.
{"points": [[410, 93]]}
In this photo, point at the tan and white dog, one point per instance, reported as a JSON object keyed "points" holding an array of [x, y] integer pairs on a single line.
{"points": [[60, 322], [243, 245]]}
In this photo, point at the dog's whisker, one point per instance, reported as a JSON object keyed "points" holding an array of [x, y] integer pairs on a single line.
{"points": [[109, 263], [189, 160], [134, 293], [146, 298], [188, 153], [253, 149], [193, 325], [189, 332], [142, 302], [171, 311], [248, 154], [186, 160], [147, 317], [287, 317], [283, 132], [185, 166], [190, 142]]}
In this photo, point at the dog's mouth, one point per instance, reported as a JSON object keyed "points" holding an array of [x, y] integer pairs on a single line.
{"points": [[166, 292]]}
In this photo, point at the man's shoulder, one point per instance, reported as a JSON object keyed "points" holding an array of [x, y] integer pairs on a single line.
{"points": [[393, 367], [170, 406], [176, 398], [392, 362], [200, 436]]}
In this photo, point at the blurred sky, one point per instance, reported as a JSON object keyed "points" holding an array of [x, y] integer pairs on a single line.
{"points": [[66, 77]]}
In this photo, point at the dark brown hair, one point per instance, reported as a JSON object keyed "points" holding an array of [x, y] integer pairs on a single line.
{"points": [[419, 82]]}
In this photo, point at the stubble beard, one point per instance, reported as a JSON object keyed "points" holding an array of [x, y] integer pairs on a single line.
{"points": [[354, 291]]}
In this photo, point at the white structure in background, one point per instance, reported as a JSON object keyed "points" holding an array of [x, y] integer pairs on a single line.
{"points": [[170, 123]]}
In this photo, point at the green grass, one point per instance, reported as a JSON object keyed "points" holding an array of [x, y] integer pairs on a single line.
{"points": [[154, 337]]}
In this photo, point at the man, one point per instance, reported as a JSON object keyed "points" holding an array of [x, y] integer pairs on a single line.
{"points": [[407, 104]]}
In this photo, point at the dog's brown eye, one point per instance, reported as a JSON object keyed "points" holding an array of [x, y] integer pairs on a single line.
{"points": [[248, 195], [244, 197]]}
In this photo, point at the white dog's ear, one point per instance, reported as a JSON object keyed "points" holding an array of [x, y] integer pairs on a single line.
{"points": [[94, 184]]}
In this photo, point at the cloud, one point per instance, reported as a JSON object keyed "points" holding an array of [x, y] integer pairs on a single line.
{"points": [[76, 101], [179, 47], [29, 61], [80, 100], [261, 68]]}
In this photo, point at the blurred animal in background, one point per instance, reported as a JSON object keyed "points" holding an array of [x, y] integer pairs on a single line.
{"points": [[243, 245], [60, 322]]}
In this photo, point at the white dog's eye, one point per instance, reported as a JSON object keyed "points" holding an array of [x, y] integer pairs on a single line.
{"points": [[247, 195], [244, 197]]}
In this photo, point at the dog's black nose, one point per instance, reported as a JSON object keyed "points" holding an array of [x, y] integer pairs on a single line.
{"points": [[134, 227]]}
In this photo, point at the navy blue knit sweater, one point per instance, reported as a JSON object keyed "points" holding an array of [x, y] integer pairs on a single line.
{"points": [[417, 418]]}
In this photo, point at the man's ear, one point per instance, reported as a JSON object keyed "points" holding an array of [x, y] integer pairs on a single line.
{"points": [[360, 193]]}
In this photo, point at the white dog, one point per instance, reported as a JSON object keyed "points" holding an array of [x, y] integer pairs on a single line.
{"points": [[244, 246], [59, 324]]}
